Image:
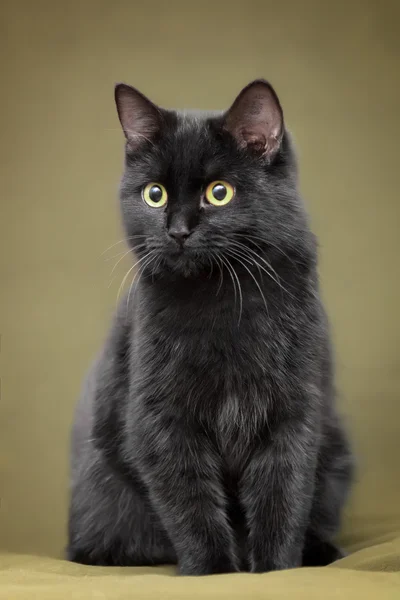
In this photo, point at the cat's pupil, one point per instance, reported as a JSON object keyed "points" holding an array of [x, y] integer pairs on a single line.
{"points": [[219, 191], [155, 193]]}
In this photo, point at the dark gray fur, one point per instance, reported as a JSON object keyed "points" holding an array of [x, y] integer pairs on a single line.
{"points": [[207, 433]]}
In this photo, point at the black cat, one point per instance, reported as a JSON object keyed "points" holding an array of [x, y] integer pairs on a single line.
{"points": [[207, 433]]}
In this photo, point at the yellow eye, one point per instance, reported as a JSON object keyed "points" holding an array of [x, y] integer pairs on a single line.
{"points": [[219, 193], [155, 195]]}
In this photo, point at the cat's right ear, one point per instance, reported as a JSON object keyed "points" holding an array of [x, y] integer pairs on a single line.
{"points": [[139, 117]]}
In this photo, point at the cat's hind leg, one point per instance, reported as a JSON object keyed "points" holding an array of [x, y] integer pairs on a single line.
{"points": [[111, 523], [333, 479]]}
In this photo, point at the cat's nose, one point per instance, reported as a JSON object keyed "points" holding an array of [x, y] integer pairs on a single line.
{"points": [[179, 233]]}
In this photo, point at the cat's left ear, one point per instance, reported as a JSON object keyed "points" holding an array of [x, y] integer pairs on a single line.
{"points": [[255, 119]]}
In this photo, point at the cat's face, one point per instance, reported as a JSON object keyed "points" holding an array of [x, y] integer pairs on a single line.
{"points": [[199, 190]]}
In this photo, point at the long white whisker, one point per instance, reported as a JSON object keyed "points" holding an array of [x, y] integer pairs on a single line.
{"points": [[221, 275], [239, 290], [123, 281], [215, 257], [141, 271], [255, 280], [212, 267], [230, 273], [131, 249], [277, 279], [119, 260], [155, 267], [131, 237], [248, 257], [114, 256], [251, 239], [130, 271]]}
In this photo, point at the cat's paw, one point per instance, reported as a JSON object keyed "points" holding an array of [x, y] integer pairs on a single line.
{"points": [[265, 564], [212, 566], [321, 553]]}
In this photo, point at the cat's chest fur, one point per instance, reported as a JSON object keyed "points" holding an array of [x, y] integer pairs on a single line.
{"points": [[213, 370], [240, 420], [222, 379]]}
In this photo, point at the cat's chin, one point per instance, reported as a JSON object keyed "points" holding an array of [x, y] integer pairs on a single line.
{"points": [[185, 266]]}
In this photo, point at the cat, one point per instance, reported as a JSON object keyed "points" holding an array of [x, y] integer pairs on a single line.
{"points": [[207, 434]]}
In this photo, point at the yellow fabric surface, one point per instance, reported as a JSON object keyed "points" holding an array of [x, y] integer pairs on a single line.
{"points": [[372, 573]]}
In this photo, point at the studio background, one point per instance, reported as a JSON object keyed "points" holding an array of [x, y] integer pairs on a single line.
{"points": [[336, 69]]}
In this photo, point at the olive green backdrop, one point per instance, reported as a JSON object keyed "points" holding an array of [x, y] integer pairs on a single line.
{"points": [[336, 69]]}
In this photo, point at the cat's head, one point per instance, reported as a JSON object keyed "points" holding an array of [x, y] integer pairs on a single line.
{"points": [[200, 190]]}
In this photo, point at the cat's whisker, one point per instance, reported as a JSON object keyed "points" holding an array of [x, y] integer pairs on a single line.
{"points": [[119, 260], [214, 256], [233, 281], [250, 249], [114, 256], [139, 275], [112, 246], [123, 281], [111, 282], [251, 239], [130, 237], [221, 275], [155, 268], [131, 249], [277, 278], [231, 253], [159, 263], [253, 261], [130, 271], [249, 258], [135, 249], [248, 255], [230, 267], [212, 267]]}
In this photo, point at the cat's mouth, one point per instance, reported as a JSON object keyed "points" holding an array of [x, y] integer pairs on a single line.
{"points": [[180, 249], [186, 260], [176, 250]]}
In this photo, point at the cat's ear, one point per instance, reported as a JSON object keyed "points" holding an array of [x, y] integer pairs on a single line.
{"points": [[255, 119], [139, 117]]}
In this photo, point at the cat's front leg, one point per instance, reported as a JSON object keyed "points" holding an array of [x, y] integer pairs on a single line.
{"points": [[276, 492], [182, 474]]}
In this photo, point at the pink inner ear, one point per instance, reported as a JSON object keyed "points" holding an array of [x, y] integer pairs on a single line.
{"points": [[139, 117], [256, 140], [256, 120]]}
